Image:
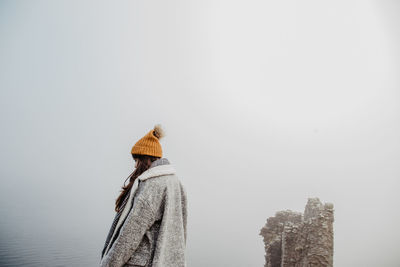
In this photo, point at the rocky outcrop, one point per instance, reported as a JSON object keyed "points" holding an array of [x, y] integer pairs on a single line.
{"points": [[293, 239]]}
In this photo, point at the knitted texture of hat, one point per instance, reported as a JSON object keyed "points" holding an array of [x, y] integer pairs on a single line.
{"points": [[149, 144]]}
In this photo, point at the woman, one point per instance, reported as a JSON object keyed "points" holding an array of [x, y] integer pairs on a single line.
{"points": [[149, 228]]}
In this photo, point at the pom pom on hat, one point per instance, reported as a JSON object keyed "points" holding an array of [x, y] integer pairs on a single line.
{"points": [[159, 131]]}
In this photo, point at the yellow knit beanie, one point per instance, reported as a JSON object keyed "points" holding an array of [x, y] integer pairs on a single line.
{"points": [[149, 144]]}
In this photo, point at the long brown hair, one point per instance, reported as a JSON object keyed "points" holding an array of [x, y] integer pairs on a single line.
{"points": [[143, 164]]}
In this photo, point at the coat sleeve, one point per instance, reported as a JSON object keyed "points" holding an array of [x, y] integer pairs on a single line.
{"points": [[139, 220], [184, 212]]}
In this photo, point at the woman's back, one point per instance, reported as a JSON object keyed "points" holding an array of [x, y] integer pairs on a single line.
{"points": [[154, 231]]}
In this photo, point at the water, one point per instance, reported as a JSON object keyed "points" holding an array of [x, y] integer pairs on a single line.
{"points": [[49, 236]]}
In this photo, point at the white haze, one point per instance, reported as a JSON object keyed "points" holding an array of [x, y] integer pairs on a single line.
{"points": [[265, 103]]}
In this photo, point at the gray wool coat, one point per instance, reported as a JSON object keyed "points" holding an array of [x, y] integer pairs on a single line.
{"points": [[154, 231]]}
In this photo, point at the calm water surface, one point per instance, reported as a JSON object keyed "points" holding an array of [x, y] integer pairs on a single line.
{"points": [[43, 235]]}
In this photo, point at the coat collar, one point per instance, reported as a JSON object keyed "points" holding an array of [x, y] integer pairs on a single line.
{"points": [[158, 167]]}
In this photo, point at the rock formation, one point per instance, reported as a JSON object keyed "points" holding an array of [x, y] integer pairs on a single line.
{"points": [[293, 239]]}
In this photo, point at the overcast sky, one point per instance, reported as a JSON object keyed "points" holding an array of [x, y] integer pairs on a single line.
{"points": [[264, 104]]}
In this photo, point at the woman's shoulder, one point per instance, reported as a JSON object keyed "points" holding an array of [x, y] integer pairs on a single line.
{"points": [[160, 182], [159, 185]]}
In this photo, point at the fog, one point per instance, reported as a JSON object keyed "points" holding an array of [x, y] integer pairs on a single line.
{"points": [[264, 104]]}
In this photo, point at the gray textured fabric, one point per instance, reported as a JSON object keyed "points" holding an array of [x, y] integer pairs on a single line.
{"points": [[154, 232], [126, 207], [160, 161]]}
